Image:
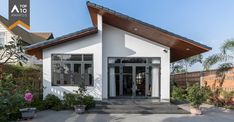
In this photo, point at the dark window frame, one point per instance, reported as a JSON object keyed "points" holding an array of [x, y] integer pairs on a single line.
{"points": [[72, 63]]}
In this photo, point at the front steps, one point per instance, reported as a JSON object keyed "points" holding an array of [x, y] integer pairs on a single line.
{"points": [[133, 106]]}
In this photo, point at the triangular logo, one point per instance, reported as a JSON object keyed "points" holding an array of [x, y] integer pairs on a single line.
{"points": [[15, 9]]}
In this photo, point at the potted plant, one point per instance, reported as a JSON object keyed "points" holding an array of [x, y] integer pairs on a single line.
{"points": [[28, 112], [79, 105], [196, 96]]}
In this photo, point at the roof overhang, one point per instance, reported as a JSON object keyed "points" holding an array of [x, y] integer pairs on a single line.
{"points": [[36, 49], [180, 47], [62, 39]]}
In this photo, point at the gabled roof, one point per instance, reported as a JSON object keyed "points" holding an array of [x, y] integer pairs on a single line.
{"points": [[181, 47], [62, 39], [29, 38]]}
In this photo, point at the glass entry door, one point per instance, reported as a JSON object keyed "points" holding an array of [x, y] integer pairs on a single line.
{"points": [[129, 77], [127, 81]]}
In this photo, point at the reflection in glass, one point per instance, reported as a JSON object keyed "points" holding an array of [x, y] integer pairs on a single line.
{"points": [[88, 74], [140, 81]]}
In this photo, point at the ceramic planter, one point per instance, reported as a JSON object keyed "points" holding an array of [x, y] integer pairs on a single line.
{"points": [[195, 111], [79, 109], [28, 113]]}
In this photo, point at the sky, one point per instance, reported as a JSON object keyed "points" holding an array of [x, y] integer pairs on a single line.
{"points": [[209, 22]]}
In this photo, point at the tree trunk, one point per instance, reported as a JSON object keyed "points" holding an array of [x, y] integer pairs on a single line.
{"points": [[1, 71]]}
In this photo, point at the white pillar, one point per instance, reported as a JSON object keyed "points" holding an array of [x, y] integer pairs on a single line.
{"points": [[155, 81]]}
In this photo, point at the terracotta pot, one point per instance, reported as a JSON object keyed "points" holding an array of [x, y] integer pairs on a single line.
{"points": [[79, 109], [195, 111], [28, 113]]}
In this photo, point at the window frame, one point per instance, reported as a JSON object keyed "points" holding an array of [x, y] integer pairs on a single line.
{"points": [[82, 70], [4, 39]]}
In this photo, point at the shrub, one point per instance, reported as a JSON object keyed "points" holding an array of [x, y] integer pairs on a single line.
{"points": [[16, 80], [39, 104], [196, 95], [52, 102], [11, 99], [178, 93], [89, 102], [227, 97], [69, 99]]}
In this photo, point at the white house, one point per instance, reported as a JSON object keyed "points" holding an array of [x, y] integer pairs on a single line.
{"points": [[120, 57]]}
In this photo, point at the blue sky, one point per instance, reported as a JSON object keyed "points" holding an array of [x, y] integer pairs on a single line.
{"points": [[207, 21]]}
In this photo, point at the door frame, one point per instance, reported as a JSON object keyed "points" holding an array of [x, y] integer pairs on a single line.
{"points": [[134, 65]]}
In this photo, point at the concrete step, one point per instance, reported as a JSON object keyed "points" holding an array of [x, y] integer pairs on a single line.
{"points": [[129, 102], [137, 111], [159, 108]]}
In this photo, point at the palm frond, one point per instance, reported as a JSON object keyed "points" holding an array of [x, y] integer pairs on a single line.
{"points": [[227, 46], [212, 60], [195, 59], [224, 67]]}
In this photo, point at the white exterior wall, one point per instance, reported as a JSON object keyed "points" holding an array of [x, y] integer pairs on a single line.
{"points": [[119, 43], [109, 42], [87, 45], [8, 34]]}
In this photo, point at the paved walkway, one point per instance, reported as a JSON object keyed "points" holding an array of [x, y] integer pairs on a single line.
{"points": [[211, 114]]}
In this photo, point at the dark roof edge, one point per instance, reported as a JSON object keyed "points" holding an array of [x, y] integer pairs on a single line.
{"points": [[90, 30], [146, 24]]}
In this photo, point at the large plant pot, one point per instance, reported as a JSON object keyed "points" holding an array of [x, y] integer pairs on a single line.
{"points": [[28, 113], [195, 111], [79, 109]]}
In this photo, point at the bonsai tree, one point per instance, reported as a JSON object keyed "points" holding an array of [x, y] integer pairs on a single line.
{"points": [[79, 97]]}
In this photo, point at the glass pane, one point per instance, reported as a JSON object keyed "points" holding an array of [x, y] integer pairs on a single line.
{"points": [[56, 57], [127, 81], [66, 57], [88, 57], [114, 60], [154, 60], [56, 74], [66, 70], [77, 73], [75, 58], [134, 60], [77, 68], [140, 81], [153, 79], [88, 74], [127, 70], [117, 69]]}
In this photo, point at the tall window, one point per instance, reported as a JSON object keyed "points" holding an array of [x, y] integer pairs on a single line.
{"points": [[2, 39], [70, 69]]}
